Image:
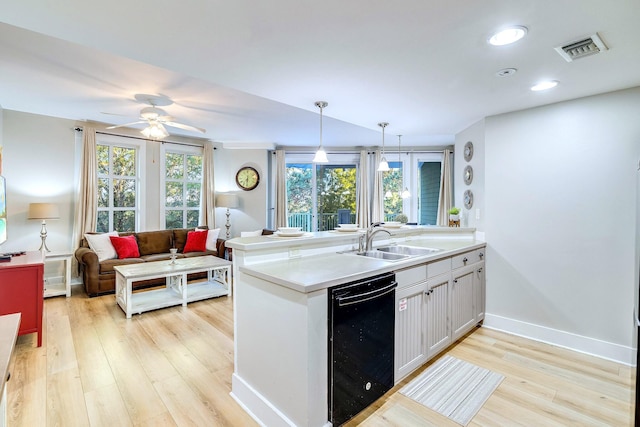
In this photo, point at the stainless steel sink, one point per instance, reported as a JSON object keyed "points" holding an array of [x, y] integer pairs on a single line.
{"points": [[387, 256], [407, 250]]}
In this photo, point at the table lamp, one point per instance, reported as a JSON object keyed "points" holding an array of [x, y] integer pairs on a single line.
{"points": [[43, 211], [229, 201]]}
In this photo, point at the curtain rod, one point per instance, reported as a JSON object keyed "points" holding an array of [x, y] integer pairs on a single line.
{"points": [[79, 129], [368, 152]]}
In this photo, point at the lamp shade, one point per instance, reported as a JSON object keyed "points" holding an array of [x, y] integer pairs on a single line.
{"points": [[43, 211], [227, 200]]}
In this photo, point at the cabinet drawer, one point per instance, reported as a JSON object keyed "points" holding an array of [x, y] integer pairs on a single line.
{"points": [[438, 267], [411, 276], [467, 258]]}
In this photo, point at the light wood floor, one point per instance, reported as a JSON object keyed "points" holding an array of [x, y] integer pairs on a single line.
{"points": [[172, 367]]}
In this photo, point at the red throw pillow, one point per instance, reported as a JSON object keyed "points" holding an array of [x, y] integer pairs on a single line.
{"points": [[196, 241], [126, 247]]}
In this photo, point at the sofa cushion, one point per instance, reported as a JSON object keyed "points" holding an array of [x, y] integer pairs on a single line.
{"points": [[180, 238], [212, 238], [159, 257], [196, 241], [155, 242], [126, 247], [101, 245], [107, 265]]}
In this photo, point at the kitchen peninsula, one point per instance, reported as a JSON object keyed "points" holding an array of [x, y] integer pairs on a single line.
{"points": [[281, 290]]}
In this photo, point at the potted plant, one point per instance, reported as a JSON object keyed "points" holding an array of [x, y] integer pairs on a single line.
{"points": [[402, 218], [454, 214]]}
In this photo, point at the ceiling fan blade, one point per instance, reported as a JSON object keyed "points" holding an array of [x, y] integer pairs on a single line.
{"points": [[185, 127], [127, 124]]}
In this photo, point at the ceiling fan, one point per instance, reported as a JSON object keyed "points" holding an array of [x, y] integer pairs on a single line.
{"points": [[157, 118]]}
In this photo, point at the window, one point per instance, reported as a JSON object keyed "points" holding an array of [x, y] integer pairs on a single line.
{"points": [[182, 185], [428, 191], [321, 196], [119, 183], [392, 186]]}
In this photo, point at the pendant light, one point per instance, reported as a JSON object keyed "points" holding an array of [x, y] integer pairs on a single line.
{"points": [[405, 193], [383, 166], [321, 156]]}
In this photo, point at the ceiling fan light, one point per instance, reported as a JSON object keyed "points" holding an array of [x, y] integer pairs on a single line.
{"points": [[155, 131]]}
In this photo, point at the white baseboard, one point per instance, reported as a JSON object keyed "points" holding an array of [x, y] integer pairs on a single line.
{"points": [[582, 344], [255, 404]]}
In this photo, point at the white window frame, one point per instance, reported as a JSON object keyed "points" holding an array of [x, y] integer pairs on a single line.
{"points": [[335, 159], [139, 146], [167, 147]]}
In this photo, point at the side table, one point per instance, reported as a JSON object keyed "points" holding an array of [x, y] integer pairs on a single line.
{"points": [[54, 288]]}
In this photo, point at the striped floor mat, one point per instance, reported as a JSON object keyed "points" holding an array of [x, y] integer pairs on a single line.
{"points": [[453, 388]]}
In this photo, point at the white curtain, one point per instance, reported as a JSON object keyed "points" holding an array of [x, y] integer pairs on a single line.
{"points": [[445, 198], [377, 209], [87, 195], [208, 197], [281, 190], [363, 217]]}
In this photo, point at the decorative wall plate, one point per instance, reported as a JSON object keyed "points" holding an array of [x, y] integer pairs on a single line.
{"points": [[468, 174], [468, 199], [468, 150]]}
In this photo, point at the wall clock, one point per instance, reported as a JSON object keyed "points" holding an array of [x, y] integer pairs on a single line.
{"points": [[468, 174], [468, 199], [247, 178], [468, 150]]}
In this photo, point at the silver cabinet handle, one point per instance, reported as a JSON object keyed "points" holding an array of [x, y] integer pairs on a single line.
{"points": [[481, 254], [465, 260]]}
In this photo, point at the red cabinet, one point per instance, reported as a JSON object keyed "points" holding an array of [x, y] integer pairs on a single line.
{"points": [[22, 291]]}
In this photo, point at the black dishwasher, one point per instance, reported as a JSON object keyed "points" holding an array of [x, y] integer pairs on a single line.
{"points": [[361, 344]]}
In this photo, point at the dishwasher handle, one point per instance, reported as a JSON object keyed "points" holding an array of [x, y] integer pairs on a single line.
{"points": [[366, 296]]}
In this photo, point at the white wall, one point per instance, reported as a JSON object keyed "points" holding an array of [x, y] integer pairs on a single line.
{"points": [[38, 164], [560, 215], [40, 158], [252, 213], [473, 217]]}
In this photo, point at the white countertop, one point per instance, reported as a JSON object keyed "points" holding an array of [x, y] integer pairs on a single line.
{"points": [[337, 237], [312, 273]]}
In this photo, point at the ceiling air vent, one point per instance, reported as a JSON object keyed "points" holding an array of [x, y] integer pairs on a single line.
{"points": [[581, 48]]}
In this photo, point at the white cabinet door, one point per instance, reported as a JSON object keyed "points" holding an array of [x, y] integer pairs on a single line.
{"points": [[463, 294], [480, 286], [409, 330], [437, 314]]}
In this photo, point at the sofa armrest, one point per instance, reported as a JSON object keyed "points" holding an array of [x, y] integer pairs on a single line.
{"points": [[88, 261], [221, 248]]}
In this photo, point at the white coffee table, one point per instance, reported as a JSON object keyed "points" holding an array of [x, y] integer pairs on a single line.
{"points": [[176, 291]]}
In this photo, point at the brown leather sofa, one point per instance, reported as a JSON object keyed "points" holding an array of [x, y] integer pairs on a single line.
{"points": [[99, 277]]}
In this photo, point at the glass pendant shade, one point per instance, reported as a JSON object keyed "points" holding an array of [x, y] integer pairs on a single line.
{"points": [[321, 155], [405, 193], [384, 165]]}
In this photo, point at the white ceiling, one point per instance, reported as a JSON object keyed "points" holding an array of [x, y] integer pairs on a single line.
{"points": [[250, 71]]}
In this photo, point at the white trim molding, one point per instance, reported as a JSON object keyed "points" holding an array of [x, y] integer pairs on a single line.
{"points": [[591, 346]]}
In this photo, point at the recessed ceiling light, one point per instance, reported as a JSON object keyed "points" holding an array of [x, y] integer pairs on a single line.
{"points": [[505, 72], [544, 85], [508, 36]]}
